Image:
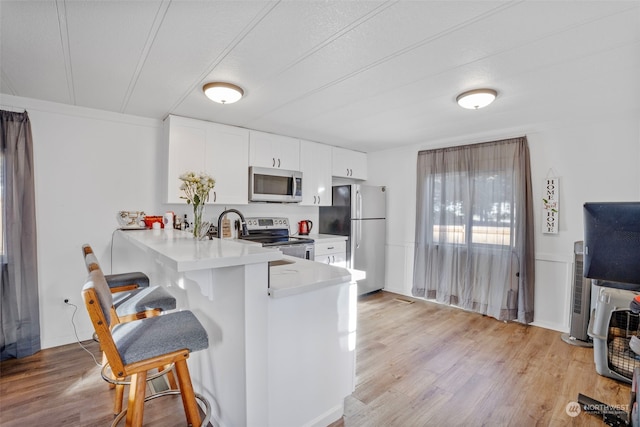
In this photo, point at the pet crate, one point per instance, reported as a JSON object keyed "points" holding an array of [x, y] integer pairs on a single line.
{"points": [[611, 328]]}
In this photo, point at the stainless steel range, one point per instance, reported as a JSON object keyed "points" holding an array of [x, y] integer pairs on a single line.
{"points": [[274, 233]]}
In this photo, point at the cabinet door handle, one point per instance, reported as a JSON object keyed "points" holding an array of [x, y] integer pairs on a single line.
{"points": [[278, 162], [330, 247], [314, 200], [215, 196], [273, 162], [328, 260], [334, 258], [318, 199]]}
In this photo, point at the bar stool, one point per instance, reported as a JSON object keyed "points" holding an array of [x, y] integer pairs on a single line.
{"points": [[133, 298], [136, 347]]}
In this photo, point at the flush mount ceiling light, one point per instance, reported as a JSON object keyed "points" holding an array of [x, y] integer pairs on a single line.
{"points": [[477, 98], [223, 93]]}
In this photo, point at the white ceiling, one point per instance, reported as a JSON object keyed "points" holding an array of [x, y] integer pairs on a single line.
{"points": [[366, 75]]}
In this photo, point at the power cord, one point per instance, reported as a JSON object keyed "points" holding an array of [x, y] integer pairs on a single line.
{"points": [[75, 332]]}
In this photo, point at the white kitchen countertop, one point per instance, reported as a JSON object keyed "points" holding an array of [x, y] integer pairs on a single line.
{"points": [[327, 238], [180, 251], [303, 276]]}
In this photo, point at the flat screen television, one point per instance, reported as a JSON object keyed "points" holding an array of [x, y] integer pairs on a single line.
{"points": [[612, 242]]}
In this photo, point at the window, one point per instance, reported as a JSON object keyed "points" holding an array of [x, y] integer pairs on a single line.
{"points": [[479, 212], [474, 229]]}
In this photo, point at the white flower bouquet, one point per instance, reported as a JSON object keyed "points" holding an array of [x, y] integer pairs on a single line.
{"points": [[196, 188]]}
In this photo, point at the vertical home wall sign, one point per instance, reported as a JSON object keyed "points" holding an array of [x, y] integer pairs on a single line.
{"points": [[550, 208]]}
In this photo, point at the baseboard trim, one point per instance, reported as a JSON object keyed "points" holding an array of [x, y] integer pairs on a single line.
{"points": [[329, 417]]}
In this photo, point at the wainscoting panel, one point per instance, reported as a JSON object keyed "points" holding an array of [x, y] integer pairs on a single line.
{"points": [[553, 292], [553, 283], [399, 271]]}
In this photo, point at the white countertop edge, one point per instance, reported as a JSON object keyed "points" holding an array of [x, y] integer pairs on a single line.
{"points": [[302, 276], [327, 238], [161, 245], [287, 292], [183, 266]]}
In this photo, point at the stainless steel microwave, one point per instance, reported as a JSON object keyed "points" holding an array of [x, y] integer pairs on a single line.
{"points": [[274, 185]]}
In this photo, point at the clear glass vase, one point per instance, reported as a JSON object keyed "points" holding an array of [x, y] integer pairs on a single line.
{"points": [[200, 228]]}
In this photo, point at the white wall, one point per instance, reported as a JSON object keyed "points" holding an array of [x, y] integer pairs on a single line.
{"points": [[595, 161], [90, 164]]}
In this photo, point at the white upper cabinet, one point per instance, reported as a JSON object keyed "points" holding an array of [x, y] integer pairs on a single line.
{"points": [[349, 163], [315, 164], [273, 151], [219, 150]]}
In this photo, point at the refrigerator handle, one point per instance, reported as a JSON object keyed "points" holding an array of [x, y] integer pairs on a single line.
{"points": [[358, 228], [356, 235]]}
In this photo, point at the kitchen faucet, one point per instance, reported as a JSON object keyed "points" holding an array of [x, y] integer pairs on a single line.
{"points": [[243, 223]]}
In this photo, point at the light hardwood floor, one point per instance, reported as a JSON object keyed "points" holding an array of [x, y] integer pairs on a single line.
{"points": [[418, 364]]}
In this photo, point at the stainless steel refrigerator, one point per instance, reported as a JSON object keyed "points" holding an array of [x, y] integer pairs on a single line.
{"points": [[359, 212]]}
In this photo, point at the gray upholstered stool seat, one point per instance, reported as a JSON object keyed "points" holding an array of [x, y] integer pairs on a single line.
{"points": [[123, 279], [131, 302], [148, 338], [116, 281], [133, 298]]}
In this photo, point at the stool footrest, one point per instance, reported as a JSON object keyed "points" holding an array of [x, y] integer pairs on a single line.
{"points": [[199, 397]]}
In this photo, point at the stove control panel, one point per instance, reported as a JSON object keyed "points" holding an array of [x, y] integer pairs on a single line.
{"points": [[267, 223]]}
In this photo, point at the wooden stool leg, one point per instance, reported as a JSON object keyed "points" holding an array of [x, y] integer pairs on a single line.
{"points": [[135, 408], [171, 379], [117, 399], [187, 393]]}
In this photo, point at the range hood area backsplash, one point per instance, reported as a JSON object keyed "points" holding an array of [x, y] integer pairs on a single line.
{"points": [[292, 211]]}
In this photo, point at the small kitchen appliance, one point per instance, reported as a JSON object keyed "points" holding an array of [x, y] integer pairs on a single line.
{"points": [[304, 227], [131, 220], [274, 233], [150, 220], [274, 185]]}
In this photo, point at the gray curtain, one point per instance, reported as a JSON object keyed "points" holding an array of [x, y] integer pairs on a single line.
{"points": [[474, 229], [19, 311]]}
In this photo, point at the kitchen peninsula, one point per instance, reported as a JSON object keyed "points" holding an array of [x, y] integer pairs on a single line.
{"points": [[281, 337]]}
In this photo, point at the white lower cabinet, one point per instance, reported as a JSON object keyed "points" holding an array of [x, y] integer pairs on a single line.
{"points": [[334, 253]]}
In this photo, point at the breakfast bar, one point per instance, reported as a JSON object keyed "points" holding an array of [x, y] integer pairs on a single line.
{"points": [[281, 329]]}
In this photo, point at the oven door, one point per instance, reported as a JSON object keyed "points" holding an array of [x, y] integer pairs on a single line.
{"points": [[298, 251]]}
